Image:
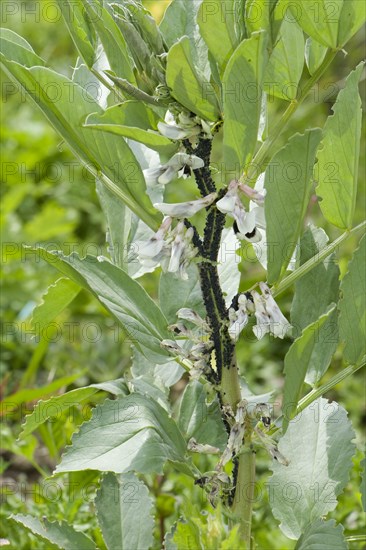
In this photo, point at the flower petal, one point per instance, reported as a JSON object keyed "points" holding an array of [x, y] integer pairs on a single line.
{"points": [[185, 209]]}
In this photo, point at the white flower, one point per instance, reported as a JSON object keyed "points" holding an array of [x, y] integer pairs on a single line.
{"points": [[185, 127], [269, 316], [239, 318], [231, 205], [182, 251], [180, 165], [153, 252], [170, 248], [189, 315], [185, 209]]}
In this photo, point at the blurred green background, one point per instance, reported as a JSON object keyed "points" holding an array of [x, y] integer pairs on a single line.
{"points": [[46, 197]]}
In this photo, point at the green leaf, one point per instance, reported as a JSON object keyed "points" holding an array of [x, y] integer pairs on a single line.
{"points": [[314, 54], [56, 298], [119, 220], [125, 298], [288, 183], [216, 21], [169, 373], [338, 155], [187, 536], [352, 318], [297, 362], [180, 19], [66, 105], [353, 16], [242, 82], [123, 511], [52, 408], [130, 433], [320, 19], [188, 85], [57, 535], [175, 294], [286, 62], [13, 46], [363, 484], [111, 37], [133, 120], [80, 29], [313, 295], [257, 17], [199, 420], [12, 402], [318, 447], [322, 535]]}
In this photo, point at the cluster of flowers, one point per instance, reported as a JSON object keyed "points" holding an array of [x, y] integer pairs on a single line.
{"points": [[199, 348], [172, 248], [269, 318]]}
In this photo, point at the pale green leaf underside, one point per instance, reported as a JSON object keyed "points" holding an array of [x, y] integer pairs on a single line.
{"points": [[352, 318], [112, 39], [320, 20], [322, 535], [132, 120], [188, 85], [242, 82], [175, 294], [338, 155], [180, 19], [125, 298], [330, 22], [58, 535], [130, 433], [313, 295], [314, 54], [198, 420], [286, 63], [216, 21], [297, 363], [288, 183], [80, 29], [124, 512], [318, 447]]}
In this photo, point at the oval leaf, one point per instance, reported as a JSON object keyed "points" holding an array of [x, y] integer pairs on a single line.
{"points": [[124, 513], [242, 98], [125, 298], [338, 155], [129, 434], [352, 318], [288, 184], [318, 447], [188, 84]]}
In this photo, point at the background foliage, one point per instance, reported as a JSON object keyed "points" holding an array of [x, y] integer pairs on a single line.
{"points": [[48, 197]]}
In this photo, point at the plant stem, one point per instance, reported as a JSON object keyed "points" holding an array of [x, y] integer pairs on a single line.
{"points": [[244, 495], [265, 152], [316, 260], [318, 392]]}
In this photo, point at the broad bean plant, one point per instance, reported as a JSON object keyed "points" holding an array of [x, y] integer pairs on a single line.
{"points": [[183, 111]]}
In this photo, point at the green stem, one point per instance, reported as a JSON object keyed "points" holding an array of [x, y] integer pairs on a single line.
{"points": [[230, 386], [265, 152], [242, 507], [318, 392], [105, 83], [316, 260]]}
